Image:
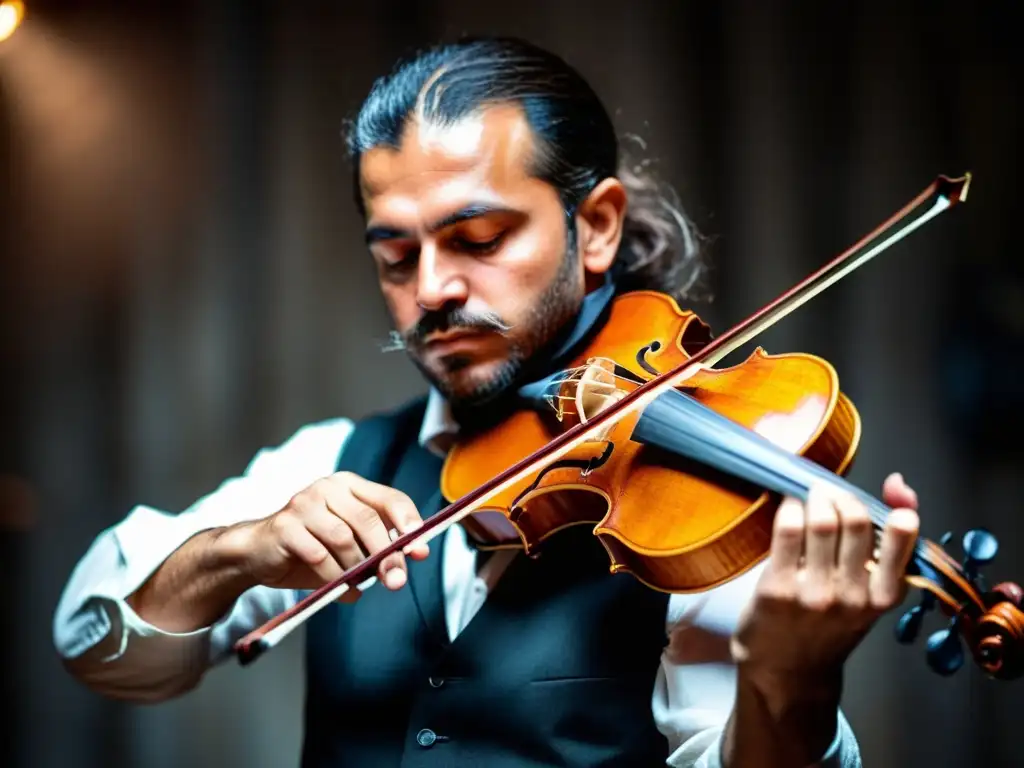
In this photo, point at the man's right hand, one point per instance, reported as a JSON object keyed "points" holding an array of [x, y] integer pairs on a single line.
{"points": [[329, 527], [324, 530]]}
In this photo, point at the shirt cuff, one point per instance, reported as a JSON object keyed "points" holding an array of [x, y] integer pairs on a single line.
{"points": [[103, 641], [123, 656]]}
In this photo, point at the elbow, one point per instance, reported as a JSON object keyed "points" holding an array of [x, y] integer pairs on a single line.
{"points": [[134, 686], [125, 663]]}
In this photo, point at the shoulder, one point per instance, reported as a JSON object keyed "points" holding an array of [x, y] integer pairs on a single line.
{"points": [[316, 443]]}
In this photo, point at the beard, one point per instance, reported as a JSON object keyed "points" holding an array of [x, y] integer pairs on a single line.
{"points": [[528, 342]]}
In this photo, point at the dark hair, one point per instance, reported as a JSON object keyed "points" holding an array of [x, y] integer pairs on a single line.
{"points": [[576, 145]]}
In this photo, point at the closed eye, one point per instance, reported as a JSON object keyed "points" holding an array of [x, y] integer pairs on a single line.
{"points": [[477, 246], [399, 260]]}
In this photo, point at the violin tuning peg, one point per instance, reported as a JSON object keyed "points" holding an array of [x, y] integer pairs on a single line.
{"points": [[945, 651], [946, 538], [909, 625], [980, 547]]}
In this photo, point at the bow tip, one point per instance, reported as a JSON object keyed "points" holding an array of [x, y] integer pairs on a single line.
{"points": [[955, 188]]}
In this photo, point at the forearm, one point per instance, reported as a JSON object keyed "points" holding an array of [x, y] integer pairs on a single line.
{"points": [[196, 586], [781, 724]]}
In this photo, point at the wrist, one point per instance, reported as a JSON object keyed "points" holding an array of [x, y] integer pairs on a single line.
{"points": [[787, 692], [197, 584], [782, 719], [229, 555]]}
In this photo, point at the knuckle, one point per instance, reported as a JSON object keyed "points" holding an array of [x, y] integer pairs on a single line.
{"points": [[305, 500], [403, 498], [823, 524], [401, 505], [778, 591], [328, 488], [818, 597], [789, 529], [881, 604], [364, 516], [343, 480], [857, 520], [283, 522], [857, 523], [855, 599], [885, 599], [317, 490], [340, 535], [818, 602]]}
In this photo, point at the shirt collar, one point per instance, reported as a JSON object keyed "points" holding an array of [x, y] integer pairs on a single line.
{"points": [[438, 429]]}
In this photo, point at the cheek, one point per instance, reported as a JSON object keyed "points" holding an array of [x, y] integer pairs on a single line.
{"points": [[525, 269], [401, 304]]}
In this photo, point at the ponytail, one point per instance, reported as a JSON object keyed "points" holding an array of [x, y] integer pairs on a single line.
{"points": [[661, 248]]}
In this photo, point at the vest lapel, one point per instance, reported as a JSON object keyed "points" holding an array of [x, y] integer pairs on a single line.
{"points": [[426, 583], [384, 448]]}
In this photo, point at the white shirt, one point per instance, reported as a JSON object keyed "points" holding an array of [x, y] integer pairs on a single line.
{"points": [[110, 649]]}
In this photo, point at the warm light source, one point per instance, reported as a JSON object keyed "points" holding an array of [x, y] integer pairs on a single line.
{"points": [[11, 13]]}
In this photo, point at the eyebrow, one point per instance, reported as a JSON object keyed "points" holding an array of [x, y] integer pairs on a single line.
{"points": [[472, 211]]}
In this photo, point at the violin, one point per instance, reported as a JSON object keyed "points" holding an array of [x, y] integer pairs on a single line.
{"points": [[679, 467]]}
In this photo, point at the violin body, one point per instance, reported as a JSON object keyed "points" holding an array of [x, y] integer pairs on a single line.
{"points": [[674, 524]]}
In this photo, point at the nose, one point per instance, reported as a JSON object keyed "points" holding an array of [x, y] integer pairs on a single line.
{"points": [[439, 281]]}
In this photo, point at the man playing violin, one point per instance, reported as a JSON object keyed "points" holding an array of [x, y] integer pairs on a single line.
{"points": [[500, 218]]}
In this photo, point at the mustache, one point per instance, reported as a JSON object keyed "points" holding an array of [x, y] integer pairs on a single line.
{"points": [[444, 320]]}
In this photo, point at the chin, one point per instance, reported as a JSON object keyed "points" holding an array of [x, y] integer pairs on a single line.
{"points": [[466, 382]]}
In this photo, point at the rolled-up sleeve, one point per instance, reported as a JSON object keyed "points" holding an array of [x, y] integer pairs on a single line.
{"points": [[695, 688], [108, 647]]}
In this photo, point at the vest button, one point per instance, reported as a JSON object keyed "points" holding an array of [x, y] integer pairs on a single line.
{"points": [[426, 738], [436, 682]]}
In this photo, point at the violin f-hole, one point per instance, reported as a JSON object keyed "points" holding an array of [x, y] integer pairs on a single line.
{"points": [[586, 466], [641, 357]]}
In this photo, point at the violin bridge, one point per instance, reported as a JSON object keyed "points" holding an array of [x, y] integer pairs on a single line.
{"points": [[597, 388]]}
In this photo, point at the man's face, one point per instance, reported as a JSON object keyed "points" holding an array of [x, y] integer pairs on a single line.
{"points": [[472, 253]]}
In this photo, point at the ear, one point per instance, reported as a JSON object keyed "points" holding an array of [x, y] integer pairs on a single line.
{"points": [[601, 220]]}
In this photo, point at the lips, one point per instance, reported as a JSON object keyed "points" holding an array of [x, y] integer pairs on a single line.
{"points": [[444, 339], [455, 342]]}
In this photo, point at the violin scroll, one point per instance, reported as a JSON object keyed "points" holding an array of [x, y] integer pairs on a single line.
{"points": [[990, 622], [999, 633]]}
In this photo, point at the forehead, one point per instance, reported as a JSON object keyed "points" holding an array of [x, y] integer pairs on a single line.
{"points": [[484, 157]]}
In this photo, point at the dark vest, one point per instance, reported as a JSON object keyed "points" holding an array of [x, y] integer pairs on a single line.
{"points": [[557, 668]]}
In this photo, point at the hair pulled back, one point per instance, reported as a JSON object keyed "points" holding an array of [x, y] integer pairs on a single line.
{"points": [[576, 146]]}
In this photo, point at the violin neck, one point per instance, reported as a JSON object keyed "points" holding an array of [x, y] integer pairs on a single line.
{"points": [[687, 429]]}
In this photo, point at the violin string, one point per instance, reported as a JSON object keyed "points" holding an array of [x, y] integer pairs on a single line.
{"points": [[681, 424]]}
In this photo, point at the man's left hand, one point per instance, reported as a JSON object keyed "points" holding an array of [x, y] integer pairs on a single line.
{"points": [[822, 590]]}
